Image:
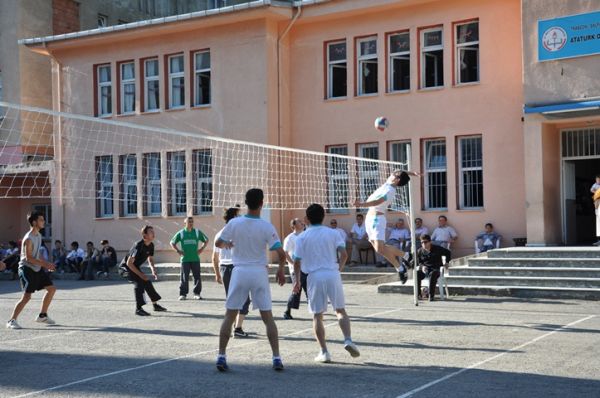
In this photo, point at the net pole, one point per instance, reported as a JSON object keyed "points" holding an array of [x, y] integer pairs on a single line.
{"points": [[411, 220]]}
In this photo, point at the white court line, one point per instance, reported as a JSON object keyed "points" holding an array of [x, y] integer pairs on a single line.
{"points": [[117, 372], [451, 375]]}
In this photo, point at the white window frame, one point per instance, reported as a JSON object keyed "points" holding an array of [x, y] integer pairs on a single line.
{"points": [[337, 179], [394, 55], [400, 156], [153, 183], [102, 85], [203, 179], [197, 73], [462, 169], [175, 181], [124, 83], [172, 77], [424, 50], [367, 171], [331, 65], [360, 59], [147, 80], [129, 181], [105, 185], [429, 170], [459, 46], [102, 21]]}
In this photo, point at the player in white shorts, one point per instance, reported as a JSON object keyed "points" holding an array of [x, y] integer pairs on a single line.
{"points": [[375, 221], [316, 254], [249, 237]]}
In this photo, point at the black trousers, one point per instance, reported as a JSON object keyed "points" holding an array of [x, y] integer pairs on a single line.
{"points": [[294, 299], [139, 287], [433, 275], [226, 271], [184, 278]]}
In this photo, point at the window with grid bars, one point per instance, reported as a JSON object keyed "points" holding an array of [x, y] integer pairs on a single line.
{"points": [[203, 171], [398, 153], [152, 187], [368, 172], [128, 185], [337, 179], [177, 188], [470, 169], [435, 170], [104, 186]]}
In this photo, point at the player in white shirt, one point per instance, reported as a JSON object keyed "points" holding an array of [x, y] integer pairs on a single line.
{"points": [[249, 237], [316, 254], [375, 222], [289, 245]]}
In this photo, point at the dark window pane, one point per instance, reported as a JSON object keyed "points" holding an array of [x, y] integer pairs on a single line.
{"points": [[401, 73], [468, 32]]}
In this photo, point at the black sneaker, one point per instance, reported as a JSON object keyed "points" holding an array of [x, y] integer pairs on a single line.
{"points": [[239, 332], [403, 276], [141, 312], [287, 315], [277, 364], [159, 308]]}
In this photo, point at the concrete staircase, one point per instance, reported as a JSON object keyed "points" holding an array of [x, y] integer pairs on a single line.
{"points": [[556, 272]]}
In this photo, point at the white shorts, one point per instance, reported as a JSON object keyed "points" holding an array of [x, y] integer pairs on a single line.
{"points": [[324, 286], [253, 280], [375, 226]]}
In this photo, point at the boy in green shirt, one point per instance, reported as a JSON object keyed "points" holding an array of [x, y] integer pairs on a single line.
{"points": [[188, 238]]}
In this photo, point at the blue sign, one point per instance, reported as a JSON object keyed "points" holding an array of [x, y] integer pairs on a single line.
{"points": [[569, 37]]}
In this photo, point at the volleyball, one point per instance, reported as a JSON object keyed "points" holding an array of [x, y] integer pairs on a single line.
{"points": [[382, 123]]}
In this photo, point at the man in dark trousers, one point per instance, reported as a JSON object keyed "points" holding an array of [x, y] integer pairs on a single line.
{"points": [[141, 252], [429, 257]]}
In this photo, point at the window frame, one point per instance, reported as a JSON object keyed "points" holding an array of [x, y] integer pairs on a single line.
{"points": [[395, 206], [121, 87], [104, 19], [332, 179], [364, 191], [102, 185], [460, 169], [150, 183], [359, 89], [426, 171], [99, 85], [456, 52], [200, 179], [329, 65], [196, 75], [390, 64], [173, 182], [144, 82], [128, 181], [423, 50], [171, 76]]}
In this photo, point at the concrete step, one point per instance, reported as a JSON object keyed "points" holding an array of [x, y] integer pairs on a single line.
{"points": [[535, 262], [525, 281], [546, 252], [526, 271]]}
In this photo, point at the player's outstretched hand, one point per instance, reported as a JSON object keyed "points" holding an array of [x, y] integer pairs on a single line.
{"points": [[280, 277]]}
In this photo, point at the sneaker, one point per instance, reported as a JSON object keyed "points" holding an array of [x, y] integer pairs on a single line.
{"points": [[141, 312], [45, 319], [222, 364], [159, 308], [352, 349], [239, 332], [277, 364], [287, 315], [12, 324], [198, 297], [182, 298], [323, 357], [403, 276]]}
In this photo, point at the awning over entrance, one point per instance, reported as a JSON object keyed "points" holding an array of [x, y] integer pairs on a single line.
{"points": [[566, 110]]}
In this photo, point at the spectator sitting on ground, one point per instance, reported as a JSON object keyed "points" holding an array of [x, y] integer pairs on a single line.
{"points": [[108, 258], [59, 256], [487, 240], [444, 235], [12, 257], [420, 230], [75, 257], [90, 262]]}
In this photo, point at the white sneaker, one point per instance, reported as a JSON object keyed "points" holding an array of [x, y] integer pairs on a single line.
{"points": [[352, 349], [12, 324], [323, 357], [197, 297], [181, 298], [47, 320]]}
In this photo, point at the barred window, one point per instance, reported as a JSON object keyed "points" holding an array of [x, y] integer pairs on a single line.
{"points": [[128, 194], [337, 179], [177, 184], [436, 185], [152, 186], [368, 172], [104, 186], [203, 173], [398, 152], [470, 172]]}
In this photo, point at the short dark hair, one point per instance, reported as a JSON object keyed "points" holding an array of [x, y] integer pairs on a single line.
{"points": [[90, 243], [419, 219], [254, 198], [426, 237], [231, 213], [34, 216], [294, 221], [104, 242], [75, 243], [444, 217], [146, 228], [315, 213], [360, 216], [490, 224], [402, 176], [57, 241]]}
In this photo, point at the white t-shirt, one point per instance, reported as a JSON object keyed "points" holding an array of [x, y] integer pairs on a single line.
{"points": [[402, 234], [289, 245], [224, 254], [342, 233], [359, 230], [444, 234], [595, 187], [250, 236], [387, 192], [317, 247]]}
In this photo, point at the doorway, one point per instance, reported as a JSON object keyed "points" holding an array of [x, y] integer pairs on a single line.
{"points": [[579, 214]]}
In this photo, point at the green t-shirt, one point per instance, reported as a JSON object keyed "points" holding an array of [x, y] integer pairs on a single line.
{"points": [[189, 244]]}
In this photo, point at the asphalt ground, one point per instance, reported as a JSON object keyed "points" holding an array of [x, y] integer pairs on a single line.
{"points": [[461, 347]]}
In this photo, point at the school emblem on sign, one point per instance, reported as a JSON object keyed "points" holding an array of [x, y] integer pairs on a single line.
{"points": [[554, 39]]}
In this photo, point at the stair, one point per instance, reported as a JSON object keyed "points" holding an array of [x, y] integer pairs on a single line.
{"points": [[557, 272]]}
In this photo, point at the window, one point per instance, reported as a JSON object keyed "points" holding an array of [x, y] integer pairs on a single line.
{"points": [[104, 91], [151, 85], [127, 88], [399, 62], [203, 172], [102, 21], [467, 52], [128, 171], [152, 187], [216, 3], [177, 186], [367, 66], [337, 179], [201, 93], [104, 186], [176, 82], [470, 168], [337, 70], [436, 188], [398, 152], [368, 172], [432, 58]]}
